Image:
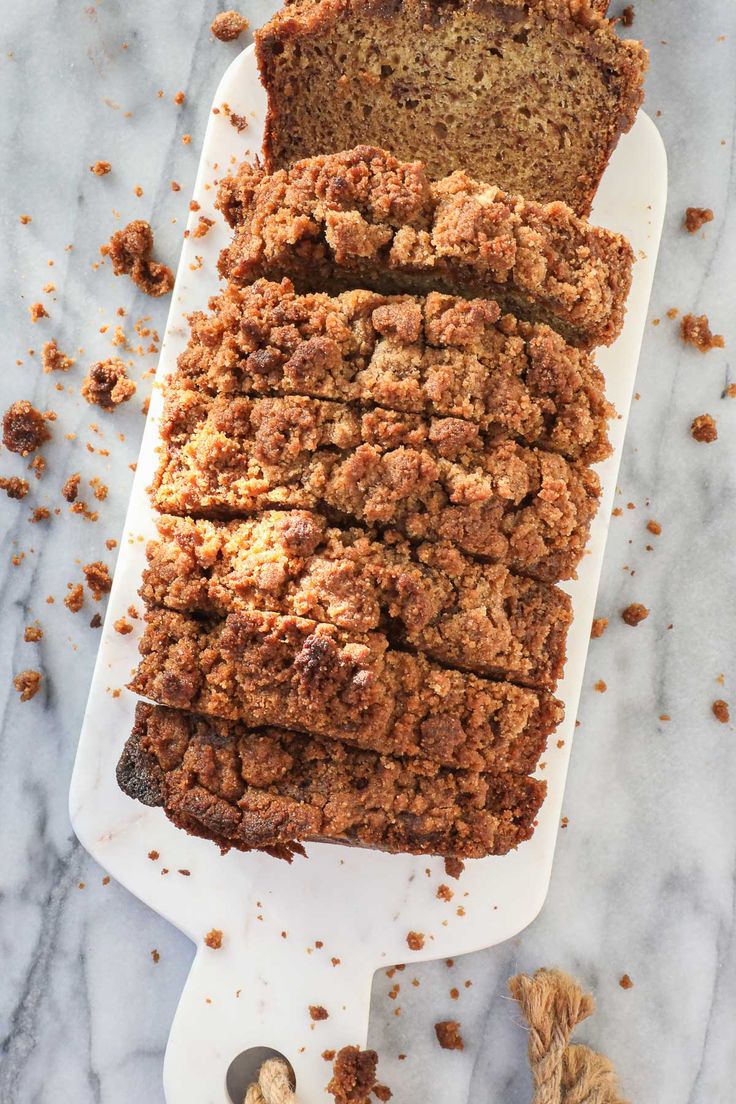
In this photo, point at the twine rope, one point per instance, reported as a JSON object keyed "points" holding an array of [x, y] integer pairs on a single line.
{"points": [[552, 1004]]}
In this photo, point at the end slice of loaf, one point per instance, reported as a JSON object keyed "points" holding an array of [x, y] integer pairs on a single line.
{"points": [[362, 218], [531, 95], [268, 789]]}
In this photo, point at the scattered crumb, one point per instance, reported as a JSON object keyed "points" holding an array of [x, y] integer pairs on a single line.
{"points": [[353, 1075], [123, 626], [454, 867], [654, 527], [600, 686], [155, 956], [25, 219], [444, 893], [238, 121], [695, 217], [720, 711], [99, 488], [98, 579], [635, 613], [14, 487], [27, 683], [75, 598], [24, 428], [130, 251], [153, 856], [627, 16], [33, 633], [96, 621], [317, 1012], [186, 139], [229, 25], [53, 360], [179, 98], [41, 513], [138, 190], [175, 186], [448, 1035], [382, 1092], [37, 311], [107, 384], [695, 330], [625, 982], [703, 429], [415, 941], [71, 487], [599, 626], [202, 227], [101, 168], [213, 939], [329, 1055]]}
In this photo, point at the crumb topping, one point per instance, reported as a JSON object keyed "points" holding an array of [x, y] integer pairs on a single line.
{"points": [[130, 251], [24, 428], [107, 384]]}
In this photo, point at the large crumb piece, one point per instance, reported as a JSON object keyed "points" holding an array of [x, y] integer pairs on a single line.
{"points": [[71, 487], [24, 428], [33, 633], [599, 626], [130, 251], [213, 939], [353, 1075], [318, 1012], [14, 487], [454, 866], [98, 579], [229, 25], [695, 330], [37, 311], [107, 384], [53, 360], [75, 598], [448, 1035], [415, 941], [721, 711], [704, 429], [695, 217], [635, 613], [27, 683]]}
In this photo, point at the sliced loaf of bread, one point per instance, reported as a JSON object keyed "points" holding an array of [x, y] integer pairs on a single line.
{"points": [[530, 95], [364, 219]]}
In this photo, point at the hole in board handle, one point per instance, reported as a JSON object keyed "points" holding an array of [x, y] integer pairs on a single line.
{"points": [[243, 1070]]}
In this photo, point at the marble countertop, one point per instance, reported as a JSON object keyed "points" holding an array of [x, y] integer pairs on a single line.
{"points": [[643, 881]]}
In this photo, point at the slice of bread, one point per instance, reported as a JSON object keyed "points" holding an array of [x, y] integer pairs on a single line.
{"points": [[530, 95], [362, 219]]}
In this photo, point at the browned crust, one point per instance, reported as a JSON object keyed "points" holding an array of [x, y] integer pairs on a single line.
{"points": [[464, 614], [625, 60], [430, 478], [268, 789], [266, 669], [362, 218], [439, 356]]}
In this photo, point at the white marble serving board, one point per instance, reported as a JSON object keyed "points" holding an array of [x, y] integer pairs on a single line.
{"points": [[359, 905]]}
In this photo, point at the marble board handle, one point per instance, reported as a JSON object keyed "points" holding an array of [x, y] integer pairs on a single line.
{"points": [[256, 991]]}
